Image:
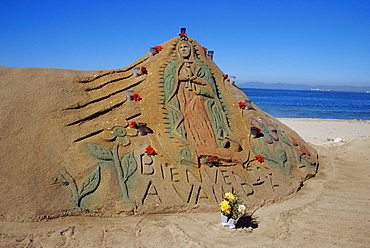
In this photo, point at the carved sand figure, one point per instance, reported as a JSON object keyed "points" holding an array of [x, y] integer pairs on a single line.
{"points": [[93, 156], [195, 113]]}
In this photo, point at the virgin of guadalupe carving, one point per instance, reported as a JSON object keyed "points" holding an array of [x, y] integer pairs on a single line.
{"points": [[196, 119]]}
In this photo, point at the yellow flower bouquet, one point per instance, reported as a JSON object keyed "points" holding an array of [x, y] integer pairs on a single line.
{"points": [[231, 209]]}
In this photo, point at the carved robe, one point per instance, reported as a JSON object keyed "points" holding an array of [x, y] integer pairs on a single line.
{"points": [[195, 112]]}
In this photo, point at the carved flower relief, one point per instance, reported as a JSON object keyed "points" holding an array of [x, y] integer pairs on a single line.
{"points": [[267, 130], [150, 151], [260, 158], [119, 134], [158, 48]]}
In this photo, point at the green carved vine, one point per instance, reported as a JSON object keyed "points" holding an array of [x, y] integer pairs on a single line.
{"points": [[124, 168], [100, 152], [88, 185], [185, 156], [285, 139]]}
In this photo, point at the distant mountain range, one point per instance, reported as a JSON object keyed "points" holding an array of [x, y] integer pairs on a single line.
{"points": [[283, 86]]}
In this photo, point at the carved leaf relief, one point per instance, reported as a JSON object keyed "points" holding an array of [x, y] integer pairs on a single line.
{"points": [[100, 152], [129, 165], [90, 184]]}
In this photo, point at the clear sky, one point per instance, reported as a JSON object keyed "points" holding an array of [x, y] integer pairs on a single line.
{"points": [[296, 41]]}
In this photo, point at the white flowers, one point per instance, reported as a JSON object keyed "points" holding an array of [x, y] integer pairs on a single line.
{"points": [[242, 209]]}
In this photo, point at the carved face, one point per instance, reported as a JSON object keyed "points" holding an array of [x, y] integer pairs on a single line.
{"points": [[184, 50]]}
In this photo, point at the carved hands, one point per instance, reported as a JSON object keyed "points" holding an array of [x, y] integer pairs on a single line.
{"points": [[186, 78]]}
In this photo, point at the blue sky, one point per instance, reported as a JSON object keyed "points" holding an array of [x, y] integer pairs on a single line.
{"points": [[303, 42]]}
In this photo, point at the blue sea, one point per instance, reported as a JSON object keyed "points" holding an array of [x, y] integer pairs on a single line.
{"points": [[311, 104]]}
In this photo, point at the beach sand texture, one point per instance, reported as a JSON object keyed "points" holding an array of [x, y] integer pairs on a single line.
{"points": [[331, 210]]}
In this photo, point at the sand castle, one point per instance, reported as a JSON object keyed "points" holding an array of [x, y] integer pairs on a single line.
{"points": [[170, 132]]}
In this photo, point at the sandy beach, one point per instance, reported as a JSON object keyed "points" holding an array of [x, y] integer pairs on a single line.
{"points": [[331, 210], [328, 131]]}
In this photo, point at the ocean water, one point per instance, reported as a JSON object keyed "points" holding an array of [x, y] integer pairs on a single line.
{"points": [[311, 104]]}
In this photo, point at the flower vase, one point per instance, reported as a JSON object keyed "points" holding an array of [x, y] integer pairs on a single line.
{"points": [[129, 94], [224, 220], [232, 80], [210, 54], [137, 71], [248, 104], [231, 223], [142, 128], [153, 51], [254, 132]]}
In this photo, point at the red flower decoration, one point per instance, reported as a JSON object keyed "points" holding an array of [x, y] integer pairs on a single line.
{"points": [[150, 151], [182, 34], [205, 49], [226, 76], [212, 159], [136, 97], [132, 125], [260, 158], [241, 105], [259, 130], [158, 48]]}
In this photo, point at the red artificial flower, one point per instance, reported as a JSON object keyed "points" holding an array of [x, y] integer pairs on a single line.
{"points": [[205, 49], [158, 48], [226, 76], [143, 69], [182, 34], [259, 130], [241, 105], [212, 159], [260, 158], [150, 151], [136, 97], [132, 125]]}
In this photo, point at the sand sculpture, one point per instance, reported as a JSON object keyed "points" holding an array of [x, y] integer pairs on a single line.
{"points": [[169, 132]]}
